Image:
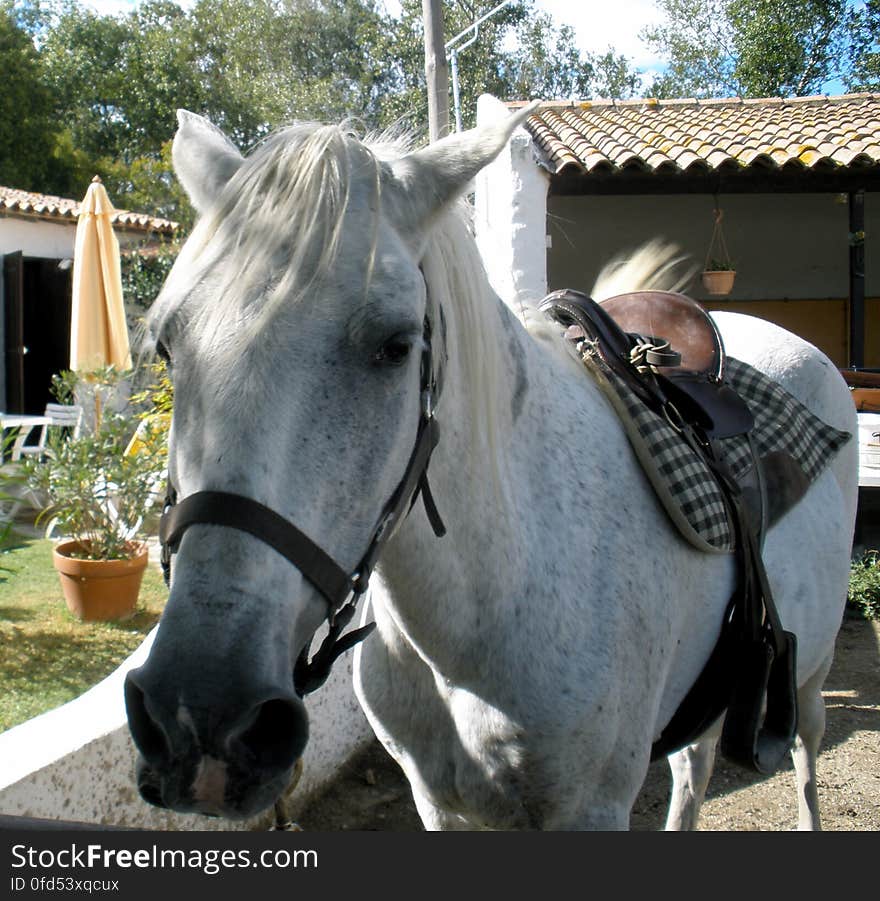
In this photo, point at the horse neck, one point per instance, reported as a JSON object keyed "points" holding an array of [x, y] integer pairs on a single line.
{"points": [[484, 494]]}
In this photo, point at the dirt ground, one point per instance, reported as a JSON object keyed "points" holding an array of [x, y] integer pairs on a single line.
{"points": [[372, 795]]}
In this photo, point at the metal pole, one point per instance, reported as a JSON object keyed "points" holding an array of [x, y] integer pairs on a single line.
{"points": [[474, 30], [856, 279], [456, 96], [436, 70]]}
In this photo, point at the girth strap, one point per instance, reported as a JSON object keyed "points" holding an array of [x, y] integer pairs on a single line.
{"points": [[220, 508], [752, 669]]}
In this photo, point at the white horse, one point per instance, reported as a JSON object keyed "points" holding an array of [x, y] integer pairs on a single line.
{"points": [[330, 300]]}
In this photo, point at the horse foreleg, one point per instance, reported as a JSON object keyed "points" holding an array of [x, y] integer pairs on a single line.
{"points": [[691, 770], [811, 728], [435, 819]]}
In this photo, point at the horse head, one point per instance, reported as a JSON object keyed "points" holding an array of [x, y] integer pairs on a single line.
{"points": [[297, 326]]}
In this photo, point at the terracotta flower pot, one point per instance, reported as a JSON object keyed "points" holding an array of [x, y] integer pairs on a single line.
{"points": [[100, 590], [719, 281]]}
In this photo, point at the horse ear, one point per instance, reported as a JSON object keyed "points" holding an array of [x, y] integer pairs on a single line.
{"points": [[204, 158], [431, 178]]}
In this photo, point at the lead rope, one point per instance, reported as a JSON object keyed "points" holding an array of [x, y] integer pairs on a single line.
{"points": [[283, 822]]}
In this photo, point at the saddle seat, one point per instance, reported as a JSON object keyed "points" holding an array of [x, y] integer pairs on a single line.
{"points": [[682, 322], [681, 346]]}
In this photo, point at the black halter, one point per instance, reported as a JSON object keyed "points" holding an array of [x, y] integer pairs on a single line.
{"points": [[340, 588]]}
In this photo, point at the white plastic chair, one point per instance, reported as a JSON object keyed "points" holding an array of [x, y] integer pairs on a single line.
{"points": [[67, 416]]}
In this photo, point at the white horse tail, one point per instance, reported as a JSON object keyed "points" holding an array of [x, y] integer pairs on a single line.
{"points": [[655, 266]]}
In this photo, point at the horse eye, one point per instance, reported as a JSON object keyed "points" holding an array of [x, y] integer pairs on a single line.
{"points": [[394, 351]]}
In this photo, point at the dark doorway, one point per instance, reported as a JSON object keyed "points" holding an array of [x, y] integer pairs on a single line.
{"points": [[37, 325]]}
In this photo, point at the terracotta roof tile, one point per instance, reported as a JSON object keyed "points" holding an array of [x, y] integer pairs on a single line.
{"points": [[693, 135], [61, 209]]}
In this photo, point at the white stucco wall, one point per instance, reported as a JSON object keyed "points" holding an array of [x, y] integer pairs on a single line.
{"points": [[510, 214], [48, 240], [37, 239]]}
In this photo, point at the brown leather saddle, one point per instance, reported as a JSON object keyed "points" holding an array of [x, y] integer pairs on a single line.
{"points": [[668, 352], [682, 353]]}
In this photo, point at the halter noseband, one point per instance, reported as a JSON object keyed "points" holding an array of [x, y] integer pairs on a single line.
{"points": [[336, 584]]}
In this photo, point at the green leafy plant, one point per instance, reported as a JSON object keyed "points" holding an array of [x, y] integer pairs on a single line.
{"points": [[11, 480], [864, 585], [99, 486], [158, 396], [144, 271], [717, 265]]}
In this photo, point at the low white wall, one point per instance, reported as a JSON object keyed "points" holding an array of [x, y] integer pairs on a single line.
{"points": [[76, 763]]}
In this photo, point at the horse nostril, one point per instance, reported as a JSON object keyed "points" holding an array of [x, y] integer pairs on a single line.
{"points": [[278, 733], [148, 736], [148, 784]]}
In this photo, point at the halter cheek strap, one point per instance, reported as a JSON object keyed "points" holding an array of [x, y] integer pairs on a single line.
{"points": [[336, 584]]}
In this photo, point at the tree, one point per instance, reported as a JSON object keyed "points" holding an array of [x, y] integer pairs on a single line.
{"points": [[549, 66], [865, 72], [750, 48], [27, 139], [613, 77], [788, 47], [101, 91], [116, 81], [519, 54]]}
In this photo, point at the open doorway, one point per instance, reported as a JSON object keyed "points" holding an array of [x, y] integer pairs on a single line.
{"points": [[36, 319]]}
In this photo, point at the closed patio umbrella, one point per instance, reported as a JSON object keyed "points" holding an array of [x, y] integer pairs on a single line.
{"points": [[98, 331]]}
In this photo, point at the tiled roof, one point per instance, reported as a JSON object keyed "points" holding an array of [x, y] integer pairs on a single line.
{"points": [[60, 209], [701, 136]]}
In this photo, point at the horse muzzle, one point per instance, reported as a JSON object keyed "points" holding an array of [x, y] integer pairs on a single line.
{"points": [[193, 762]]}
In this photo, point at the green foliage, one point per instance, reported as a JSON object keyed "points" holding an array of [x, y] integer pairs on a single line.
{"points": [[865, 72], [520, 54], [158, 397], [787, 47], [27, 128], [864, 585], [96, 490], [751, 48], [144, 272]]}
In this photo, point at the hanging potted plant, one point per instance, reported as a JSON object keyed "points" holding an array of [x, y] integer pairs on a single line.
{"points": [[719, 272], [96, 495], [718, 277]]}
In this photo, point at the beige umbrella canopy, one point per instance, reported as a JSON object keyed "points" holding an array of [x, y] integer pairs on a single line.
{"points": [[98, 331]]}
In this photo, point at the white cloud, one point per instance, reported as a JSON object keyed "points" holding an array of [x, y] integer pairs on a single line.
{"points": [[599, 24]]}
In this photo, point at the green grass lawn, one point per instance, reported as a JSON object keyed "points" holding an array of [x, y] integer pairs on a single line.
{"points": [[47, 656]]}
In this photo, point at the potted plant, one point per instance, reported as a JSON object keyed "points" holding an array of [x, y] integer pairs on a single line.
{"points": [[96, 494], [718, 277], [719, 272]]}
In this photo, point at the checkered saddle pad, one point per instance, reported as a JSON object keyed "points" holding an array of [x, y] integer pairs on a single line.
{"points": [[681, 479]]}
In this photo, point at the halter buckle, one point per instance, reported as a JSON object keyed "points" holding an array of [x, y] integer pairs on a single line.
{"points": [[428, 403]]}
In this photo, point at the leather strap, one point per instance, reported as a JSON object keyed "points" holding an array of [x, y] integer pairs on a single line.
{"points": [[235, 511]]}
